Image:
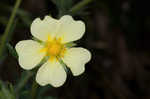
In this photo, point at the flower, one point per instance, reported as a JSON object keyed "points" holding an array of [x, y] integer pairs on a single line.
{"points": [[55, 35]]}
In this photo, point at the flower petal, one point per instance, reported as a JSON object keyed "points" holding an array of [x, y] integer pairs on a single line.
{"points": [[70, 30], [51, 73], [29, 55], [76, 58], [41, 29]]}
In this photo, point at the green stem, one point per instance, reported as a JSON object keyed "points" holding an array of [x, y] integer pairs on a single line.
{"points": [[8, 27], [34, 89], [79, 6], [23, 81]]}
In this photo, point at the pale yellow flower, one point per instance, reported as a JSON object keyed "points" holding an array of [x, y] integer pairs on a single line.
{"points": [[54, 34]]}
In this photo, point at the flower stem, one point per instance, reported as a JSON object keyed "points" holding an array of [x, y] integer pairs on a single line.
{"points": [[8, 27], [79, 6], [34, 89], [23, 81]]}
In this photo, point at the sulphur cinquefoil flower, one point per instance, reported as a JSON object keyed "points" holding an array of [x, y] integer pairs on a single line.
{"points": [[55, 35]]}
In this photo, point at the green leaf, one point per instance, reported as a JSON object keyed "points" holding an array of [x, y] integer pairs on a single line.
{"points": [[5, 39], [12, 51], [6, 92], [24, 15], [63, 6], [7, 31]]}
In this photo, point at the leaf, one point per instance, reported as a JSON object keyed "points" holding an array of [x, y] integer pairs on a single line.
{"points": [[4, 40], [63, 6], [12, 51], [6, 92], [24, 15]]}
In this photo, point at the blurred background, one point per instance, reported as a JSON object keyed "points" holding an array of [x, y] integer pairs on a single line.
{"points": [[117, 34]]}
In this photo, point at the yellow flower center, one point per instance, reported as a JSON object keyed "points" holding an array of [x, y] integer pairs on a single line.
{"points": [[54, 48]]}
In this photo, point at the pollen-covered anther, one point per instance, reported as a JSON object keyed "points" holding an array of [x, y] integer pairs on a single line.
{"points": [[55, 48]]}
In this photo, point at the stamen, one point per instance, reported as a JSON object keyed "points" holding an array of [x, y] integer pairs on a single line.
{"points": [[54, 48]]}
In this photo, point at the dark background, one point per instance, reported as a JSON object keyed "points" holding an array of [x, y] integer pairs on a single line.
{"points": [[118, 36]]}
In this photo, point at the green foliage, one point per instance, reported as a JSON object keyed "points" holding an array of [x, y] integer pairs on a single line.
{"points": [[63, 6], [67, 7], [24, 15], [6, 91], [7, 32], [12, 51]]}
